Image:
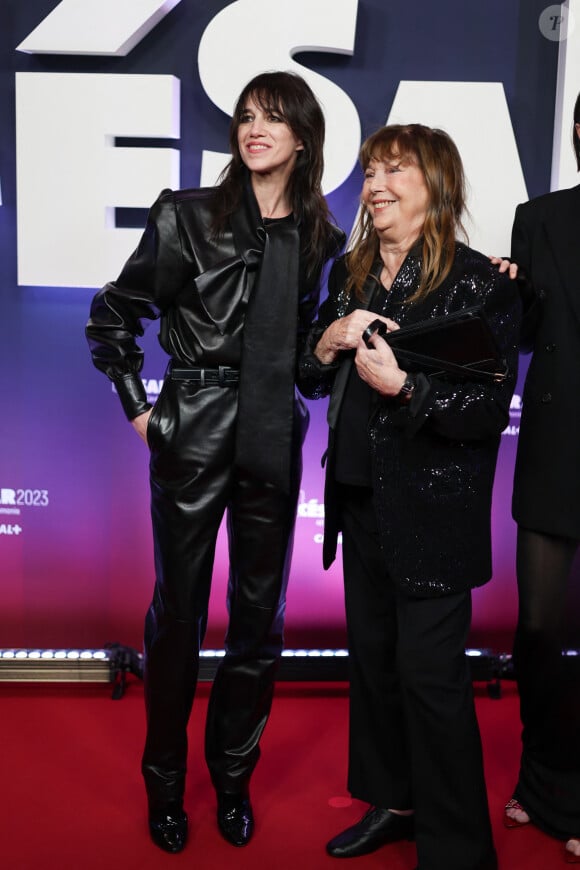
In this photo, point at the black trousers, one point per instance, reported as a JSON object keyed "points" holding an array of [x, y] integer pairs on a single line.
{"points": [[549, 778], [193, 483], [414, 740]]}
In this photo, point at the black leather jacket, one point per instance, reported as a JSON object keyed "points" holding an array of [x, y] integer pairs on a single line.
{"points": [[198, 286]]}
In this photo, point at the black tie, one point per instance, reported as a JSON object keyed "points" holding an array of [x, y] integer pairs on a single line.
{"points": [[266, 390]]}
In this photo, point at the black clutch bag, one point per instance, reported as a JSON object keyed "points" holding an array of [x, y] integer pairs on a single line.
{"points": [[459, 344]]}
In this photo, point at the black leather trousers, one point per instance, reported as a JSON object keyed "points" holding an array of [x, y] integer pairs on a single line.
{"points": [[193, 483]]}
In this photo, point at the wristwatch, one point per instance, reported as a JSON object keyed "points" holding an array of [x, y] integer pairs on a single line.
{"points": [[405, 393]]}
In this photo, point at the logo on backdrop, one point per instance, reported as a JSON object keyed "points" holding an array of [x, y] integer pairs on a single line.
{"points": [[310, 508], [513, 428], [152, 388], [313, 509], [14, 501]]}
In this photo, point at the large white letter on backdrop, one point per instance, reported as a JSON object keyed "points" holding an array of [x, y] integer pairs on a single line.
{"points": [[257, 35], [70, 175], [564, 168], [492, 165], [108, 27]]}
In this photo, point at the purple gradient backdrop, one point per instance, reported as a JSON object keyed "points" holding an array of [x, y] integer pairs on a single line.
{"points": [[78, 570]]}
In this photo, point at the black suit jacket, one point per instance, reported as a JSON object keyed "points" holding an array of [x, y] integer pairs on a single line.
{"points": [[546, 243]]}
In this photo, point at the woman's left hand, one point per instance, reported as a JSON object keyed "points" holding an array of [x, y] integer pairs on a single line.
{"points": [[378, 367]]}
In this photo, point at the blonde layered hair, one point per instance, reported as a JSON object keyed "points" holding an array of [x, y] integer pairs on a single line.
{"points": [[436, 155]]}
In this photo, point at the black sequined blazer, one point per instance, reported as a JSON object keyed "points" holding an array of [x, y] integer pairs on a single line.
{"points": [[434, 459]]}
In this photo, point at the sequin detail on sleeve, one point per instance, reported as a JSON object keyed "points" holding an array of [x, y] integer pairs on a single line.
{"points": [[434, 464]]}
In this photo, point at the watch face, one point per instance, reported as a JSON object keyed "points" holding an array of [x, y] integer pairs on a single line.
{"points": [[406, 390]]}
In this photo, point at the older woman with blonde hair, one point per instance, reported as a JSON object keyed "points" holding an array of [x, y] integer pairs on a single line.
{"points": [[409, 477]]}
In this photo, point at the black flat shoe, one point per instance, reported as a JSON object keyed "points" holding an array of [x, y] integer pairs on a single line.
{"points": [[376, 828], [168, 827], [235, 818]]}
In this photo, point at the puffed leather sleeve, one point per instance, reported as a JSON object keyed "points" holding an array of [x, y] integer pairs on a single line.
{"points": [[119, 312]]}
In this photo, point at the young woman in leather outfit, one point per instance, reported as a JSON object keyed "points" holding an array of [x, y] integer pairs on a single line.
{"points": [[233, 275]]}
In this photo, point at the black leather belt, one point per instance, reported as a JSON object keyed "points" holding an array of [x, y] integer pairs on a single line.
{"points": [[223, 376]]}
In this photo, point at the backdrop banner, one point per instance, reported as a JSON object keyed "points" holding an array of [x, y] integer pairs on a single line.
{"points": [[105, 103]]}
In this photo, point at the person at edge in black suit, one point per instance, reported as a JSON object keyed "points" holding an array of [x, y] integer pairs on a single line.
{"points": [[546, 508], [233, 273], [409, 475]]}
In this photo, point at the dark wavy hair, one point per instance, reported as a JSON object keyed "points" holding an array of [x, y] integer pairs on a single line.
{"points": [[575, 136], [289, 95], [435, 153]]}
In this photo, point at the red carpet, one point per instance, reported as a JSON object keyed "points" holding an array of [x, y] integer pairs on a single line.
{"points": [[72, 796]]}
